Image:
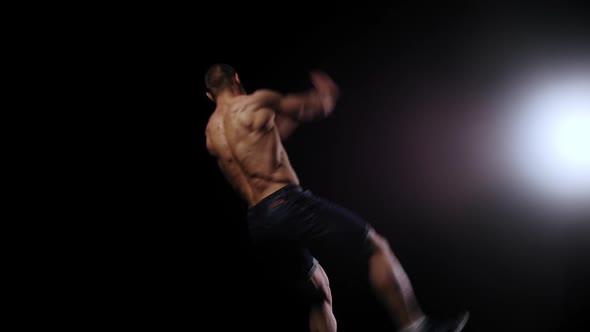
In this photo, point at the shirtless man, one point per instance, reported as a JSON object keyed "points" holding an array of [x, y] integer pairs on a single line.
{"points": [[289, 224]]}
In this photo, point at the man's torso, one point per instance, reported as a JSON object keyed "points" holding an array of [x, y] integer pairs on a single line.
{"points": [[244, 139]]}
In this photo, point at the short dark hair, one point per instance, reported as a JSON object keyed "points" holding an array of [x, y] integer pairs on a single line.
{"points": [[218, 77]]}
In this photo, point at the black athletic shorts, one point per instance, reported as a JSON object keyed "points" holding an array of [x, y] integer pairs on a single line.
{"points": [[292, 226]]}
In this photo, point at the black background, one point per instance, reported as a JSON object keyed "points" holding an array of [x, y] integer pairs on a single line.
{"points": [[186, 245]]}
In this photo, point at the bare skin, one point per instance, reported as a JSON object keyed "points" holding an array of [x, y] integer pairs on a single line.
{"points": [[245, 134], [321, 316]]}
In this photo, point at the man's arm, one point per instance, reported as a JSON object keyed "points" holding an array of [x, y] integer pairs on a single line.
{"points": [[318, 102], [285, 125]]}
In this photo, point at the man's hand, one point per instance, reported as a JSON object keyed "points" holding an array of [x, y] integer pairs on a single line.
{"points": [[327, 90], [315, 103]]}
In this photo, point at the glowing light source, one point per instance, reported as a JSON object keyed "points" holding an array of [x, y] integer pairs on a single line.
{"points": [[551, 138]]}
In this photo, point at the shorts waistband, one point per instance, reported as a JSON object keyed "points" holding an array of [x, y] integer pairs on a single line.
{"points": [[288, 189]]}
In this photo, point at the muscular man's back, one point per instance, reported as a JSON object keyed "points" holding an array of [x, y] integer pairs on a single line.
{"points": [[242, 135]]}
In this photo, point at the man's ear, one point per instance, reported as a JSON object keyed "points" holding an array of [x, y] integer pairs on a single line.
{"points": [[237, 78], [208, 94]]}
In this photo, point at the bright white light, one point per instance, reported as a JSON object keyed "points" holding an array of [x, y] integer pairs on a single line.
{"points": [[551, 146]]}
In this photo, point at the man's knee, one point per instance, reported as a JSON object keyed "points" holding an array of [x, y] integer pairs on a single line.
{"points": [[319, 287], [319, 297], [378, 244], [322, 318]]}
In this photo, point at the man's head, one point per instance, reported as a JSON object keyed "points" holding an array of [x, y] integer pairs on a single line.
{"points": [[221, 77]]}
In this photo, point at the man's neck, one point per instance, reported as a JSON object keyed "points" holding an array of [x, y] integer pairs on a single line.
{"points": [[229, 94]]}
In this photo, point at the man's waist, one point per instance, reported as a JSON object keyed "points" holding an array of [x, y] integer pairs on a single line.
{"points": [[279, 193]]}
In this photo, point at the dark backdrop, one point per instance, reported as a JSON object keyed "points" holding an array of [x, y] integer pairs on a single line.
{"points": [[410, 74]]}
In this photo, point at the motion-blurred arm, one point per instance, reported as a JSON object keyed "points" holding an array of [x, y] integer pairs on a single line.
{"points": [[295, 108]]}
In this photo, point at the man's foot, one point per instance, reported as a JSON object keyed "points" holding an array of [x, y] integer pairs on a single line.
{"points": [[427, 324]]}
